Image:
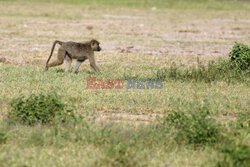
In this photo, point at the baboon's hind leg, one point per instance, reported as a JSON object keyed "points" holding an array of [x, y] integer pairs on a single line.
{"points": [[60, 57]]}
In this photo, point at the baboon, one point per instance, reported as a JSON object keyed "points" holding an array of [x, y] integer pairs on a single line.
{"points": [[75, 50]]}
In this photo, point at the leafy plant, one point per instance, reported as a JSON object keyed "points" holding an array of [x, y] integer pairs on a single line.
{"points": [[240, 56], [41, 108]]}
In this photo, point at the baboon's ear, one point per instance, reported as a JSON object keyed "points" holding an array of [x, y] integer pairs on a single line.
{"points": [[93, 45], [92, 42]]}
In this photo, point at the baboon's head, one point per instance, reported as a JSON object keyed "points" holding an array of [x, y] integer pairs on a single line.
{"points": [[95, 45]]}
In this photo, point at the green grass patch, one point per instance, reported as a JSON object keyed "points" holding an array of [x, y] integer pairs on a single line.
{"points": [[221, 97], [188, 126]]}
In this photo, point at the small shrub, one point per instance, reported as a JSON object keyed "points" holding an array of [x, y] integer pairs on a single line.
{"points": [[240, 56], [3, 137], [197, 127], [235, 155], [41, 108]]}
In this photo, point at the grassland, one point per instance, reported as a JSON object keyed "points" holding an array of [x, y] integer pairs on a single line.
{"points": [[126, 127]]}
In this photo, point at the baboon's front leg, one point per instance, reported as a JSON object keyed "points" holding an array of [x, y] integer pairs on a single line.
{"points": [[93, 64]]}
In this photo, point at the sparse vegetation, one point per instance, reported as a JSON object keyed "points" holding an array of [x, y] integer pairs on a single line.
{"points": [[199, 118]]}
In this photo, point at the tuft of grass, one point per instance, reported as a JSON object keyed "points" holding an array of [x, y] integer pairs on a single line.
{"points": [[38, 108]]}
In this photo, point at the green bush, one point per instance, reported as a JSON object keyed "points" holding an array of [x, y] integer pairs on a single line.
{"points": [[235, 155], [196, 127], [240, 56], [41, 108]]}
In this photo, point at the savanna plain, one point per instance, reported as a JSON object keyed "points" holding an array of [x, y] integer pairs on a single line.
{"points": [[200, 117]]}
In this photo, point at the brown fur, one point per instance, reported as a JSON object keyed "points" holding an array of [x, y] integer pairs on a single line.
{"points": [[80, 51]]}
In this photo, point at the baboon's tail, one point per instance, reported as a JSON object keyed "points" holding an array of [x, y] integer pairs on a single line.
{"points": [[52, 50]]}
